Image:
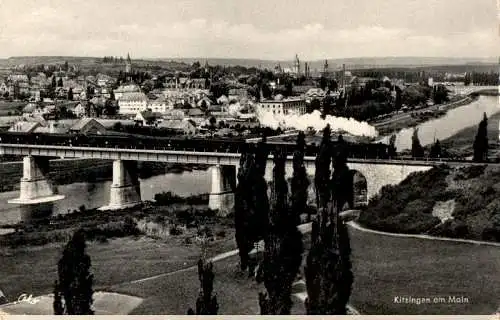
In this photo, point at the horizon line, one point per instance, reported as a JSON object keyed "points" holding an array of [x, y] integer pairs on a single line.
{"points": [[258, 59]]}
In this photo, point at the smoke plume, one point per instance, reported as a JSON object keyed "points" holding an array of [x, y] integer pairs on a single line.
{"points": [[315, 121]]}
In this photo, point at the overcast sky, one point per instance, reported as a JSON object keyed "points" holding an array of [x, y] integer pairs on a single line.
{"points": [[262, 29]]}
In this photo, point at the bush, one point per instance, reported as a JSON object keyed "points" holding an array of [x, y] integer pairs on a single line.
{"points": [[175, 230]]}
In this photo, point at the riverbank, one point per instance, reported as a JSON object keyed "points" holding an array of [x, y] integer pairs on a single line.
{"points": [[462, 142], [462, 203], [415, 118], [68, 171]]}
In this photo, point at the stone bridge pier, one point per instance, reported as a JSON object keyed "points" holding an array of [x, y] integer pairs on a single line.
{"points": [[221, 195], [126, 190], [37, 193]]}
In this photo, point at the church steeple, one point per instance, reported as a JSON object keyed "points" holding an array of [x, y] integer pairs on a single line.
{"points": [[128, 65]]}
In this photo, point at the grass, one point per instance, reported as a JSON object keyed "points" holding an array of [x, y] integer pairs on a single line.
{"points": [[384, 267]]}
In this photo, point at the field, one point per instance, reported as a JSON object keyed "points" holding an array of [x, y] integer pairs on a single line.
{"points": [[383, 267]]}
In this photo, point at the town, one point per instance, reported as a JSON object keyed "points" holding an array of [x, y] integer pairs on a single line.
{"points": [[249, 158]]}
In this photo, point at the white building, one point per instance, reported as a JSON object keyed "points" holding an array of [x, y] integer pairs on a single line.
{"points": [[132, 102], [282, 107], [125, 89], [160, 105]]}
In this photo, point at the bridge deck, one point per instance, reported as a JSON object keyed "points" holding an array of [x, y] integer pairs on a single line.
{"points": [[185, 156]]}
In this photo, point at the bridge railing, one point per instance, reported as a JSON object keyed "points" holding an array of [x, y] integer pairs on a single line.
{"points": [[224, 150]]}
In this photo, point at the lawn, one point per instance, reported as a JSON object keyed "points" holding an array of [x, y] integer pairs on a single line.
{"points": [[384, 267]]}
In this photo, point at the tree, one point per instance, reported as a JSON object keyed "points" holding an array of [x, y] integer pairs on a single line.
{"points": [[70, 94], [60, 82], [417, 151], [213, 123], [75, 279], [66, 66], [392, 146], [206, 304], [283, 246], [300, 181], [440, 94], [480, 145], [435, 151], [322, 173], [328, 268], [53, 83], [242, 208]]}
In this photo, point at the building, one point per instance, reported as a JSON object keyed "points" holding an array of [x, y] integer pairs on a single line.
{"points": [[124, 89], [147, 117], [282, 107], [185, 127], [25, 126], [160, 105], [132, 102], [88, 126]]}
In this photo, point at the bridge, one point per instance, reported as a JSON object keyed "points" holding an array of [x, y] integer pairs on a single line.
{"points": [[467, 90], [36, 189]]}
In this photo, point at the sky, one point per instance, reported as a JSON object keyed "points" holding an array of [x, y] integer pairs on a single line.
{"points": [[256, 29]]}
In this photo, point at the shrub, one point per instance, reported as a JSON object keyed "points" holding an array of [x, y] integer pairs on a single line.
{"points": [[175, 230]]}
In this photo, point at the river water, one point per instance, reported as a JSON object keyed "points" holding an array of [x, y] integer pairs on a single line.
{"points": [[93, 195], [448, 125]]}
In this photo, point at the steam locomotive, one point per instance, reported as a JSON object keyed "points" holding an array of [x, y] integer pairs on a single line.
{"points": [[181, 143]]}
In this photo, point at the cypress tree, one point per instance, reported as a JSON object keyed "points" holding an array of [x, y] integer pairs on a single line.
{"points": [[392, 146], [300, 181], [328, 268], [242, 208], [480, 145], [417, 151], [436, 150], [206, 303], [322, 174], [283, 246], [75, 279]]}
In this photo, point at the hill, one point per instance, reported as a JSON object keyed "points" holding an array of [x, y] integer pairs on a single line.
{"points": [[460, 202], [334, 64]]}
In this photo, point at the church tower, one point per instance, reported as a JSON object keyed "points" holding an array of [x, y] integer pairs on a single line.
{"points": [[128, 65]]}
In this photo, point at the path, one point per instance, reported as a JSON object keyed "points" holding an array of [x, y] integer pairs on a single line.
{"points": [[357, 226]]}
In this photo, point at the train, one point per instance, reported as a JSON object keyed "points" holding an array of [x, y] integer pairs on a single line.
{"points": [[182, 143]]}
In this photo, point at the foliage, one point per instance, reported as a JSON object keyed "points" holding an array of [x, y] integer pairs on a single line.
{"points": [[435, 151], [417, 151], [328, 270], [300, 181], [392, 146], [75, 279], [283, 246], [480, 145], [206, 304], [251, 201]]}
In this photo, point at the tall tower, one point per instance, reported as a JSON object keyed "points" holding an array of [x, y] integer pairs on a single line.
{"points": [[297, 65], [325, 69], [128, 65]]}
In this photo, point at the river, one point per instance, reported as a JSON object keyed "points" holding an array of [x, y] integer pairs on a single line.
{"points": [[448, 125], [93, 195]]}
